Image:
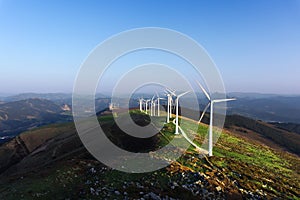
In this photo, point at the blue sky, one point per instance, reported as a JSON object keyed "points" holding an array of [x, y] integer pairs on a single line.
{"points": [[255, 44]]}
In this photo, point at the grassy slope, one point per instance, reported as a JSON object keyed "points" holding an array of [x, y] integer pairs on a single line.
{"points": [[257, 167], [286, 139], [238, 165]]}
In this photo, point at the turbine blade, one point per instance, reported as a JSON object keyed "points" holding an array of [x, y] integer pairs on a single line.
{"points": [[223, 100], [168, 90], [171, 92], [152, 97], [203, 112], [180, 95], [204, 91]]}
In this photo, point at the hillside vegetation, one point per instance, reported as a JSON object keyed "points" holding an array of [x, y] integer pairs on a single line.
{"points": [[19, 116], [284, 138], [51, 163]]}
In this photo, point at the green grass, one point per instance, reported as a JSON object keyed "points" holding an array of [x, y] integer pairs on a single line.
{"points": [[253, 166], [59, 183], [239, 149], [257, 162], [251, 153]]}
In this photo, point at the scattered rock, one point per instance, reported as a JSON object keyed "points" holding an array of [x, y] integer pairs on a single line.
{"points": [[154, 196]]}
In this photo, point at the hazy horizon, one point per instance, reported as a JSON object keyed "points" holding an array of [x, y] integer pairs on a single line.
{"points": [[3, 94]]}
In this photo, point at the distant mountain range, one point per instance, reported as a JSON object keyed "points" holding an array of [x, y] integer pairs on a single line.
{"points": [[253, 95], [55, 97], [26, 111], [270, 109], [265, 107], [19, 116]]}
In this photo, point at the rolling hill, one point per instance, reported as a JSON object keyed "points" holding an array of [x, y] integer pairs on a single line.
{"points": [[288, 126], [266, 107], [58, 98], [267, 133], [47, 96], [51, 163], [272, 108], [19, 116]]}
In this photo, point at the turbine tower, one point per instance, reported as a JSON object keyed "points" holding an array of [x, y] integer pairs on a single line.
{"points": [[154, 105], [141, 104], [144, 105], [147, 105], [158, 109], [151, 106], [211, 104], [177, 100], [169, 94], [168, 107]]}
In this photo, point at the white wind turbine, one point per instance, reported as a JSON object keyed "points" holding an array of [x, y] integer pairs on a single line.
{"points": [[168, 107], [141, 104], [144, 105], [147, 105], [211, 104], [151, 106], [177, 100], [158, 109], [169, 94], [154, 106]]}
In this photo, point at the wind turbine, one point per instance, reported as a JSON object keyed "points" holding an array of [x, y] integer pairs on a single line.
{"points": [[168, 107], [144, 105], [151, 106], [177, 100], [158, 109], [141, 104], [154, 105], [211, 104], [147, 105], [169, 94], [171, 100]]}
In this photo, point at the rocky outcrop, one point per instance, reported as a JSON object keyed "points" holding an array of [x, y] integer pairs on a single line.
{"points": [[12, 152]]}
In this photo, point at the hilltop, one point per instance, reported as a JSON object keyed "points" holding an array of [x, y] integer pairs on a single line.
{"points": [[51, 162]]}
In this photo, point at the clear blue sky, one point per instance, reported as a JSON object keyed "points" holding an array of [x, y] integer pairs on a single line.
{"points": [[255, 43]]}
